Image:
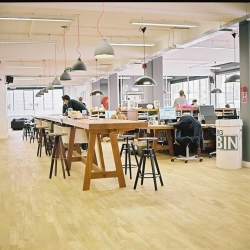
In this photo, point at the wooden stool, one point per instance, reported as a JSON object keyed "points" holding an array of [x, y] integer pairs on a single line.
{"points": [[127, 148], [148, 153], [42, 140], [58, 153]]}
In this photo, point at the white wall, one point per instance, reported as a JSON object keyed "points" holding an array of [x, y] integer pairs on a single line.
{"points": [[3, 109]]}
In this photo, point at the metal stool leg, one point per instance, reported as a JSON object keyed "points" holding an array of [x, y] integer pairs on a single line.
{"points": [[53, 158]]}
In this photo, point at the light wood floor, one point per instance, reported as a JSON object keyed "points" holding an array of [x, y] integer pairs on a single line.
{"points": [[199, 207]]}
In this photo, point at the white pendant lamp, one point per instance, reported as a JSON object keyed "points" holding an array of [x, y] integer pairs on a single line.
{"points": [[79, 65], [65, 76], [104, 49], [50, 87], [144, 80], [56, 81], [38, 94]]}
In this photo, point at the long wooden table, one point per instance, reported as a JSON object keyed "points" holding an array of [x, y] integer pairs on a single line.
{"points": [[94, 129]]}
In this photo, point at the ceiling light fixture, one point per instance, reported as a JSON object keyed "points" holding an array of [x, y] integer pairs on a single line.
{"points": [[210, 47], [144, 80], [28, 42], [43, 19], [65, 76], [79, 65], [235, 77], [133, 44], [165, 23], [23, 67], [216, 91], [96, 92], [38, 94], [104, 49]]}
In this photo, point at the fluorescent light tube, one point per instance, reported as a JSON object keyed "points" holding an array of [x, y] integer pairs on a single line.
{"points": [[165, 23], [133, 44], [210, 47], [43, 19], [124, 77], [205, 67], [28, 42], [23, 67]]}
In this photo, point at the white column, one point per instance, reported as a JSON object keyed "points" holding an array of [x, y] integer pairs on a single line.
{"points": [[3, 109]]}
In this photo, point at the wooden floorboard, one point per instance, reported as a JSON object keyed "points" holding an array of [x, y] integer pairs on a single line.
{"points": [[199, 207]]}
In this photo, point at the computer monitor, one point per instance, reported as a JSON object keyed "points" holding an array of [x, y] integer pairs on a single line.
{"points": [[167, 114], [206, 110], [144, 105], [109, 113]]}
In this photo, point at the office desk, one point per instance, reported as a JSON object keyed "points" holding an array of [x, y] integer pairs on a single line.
{"points": [[94, 129], [168, 128]]}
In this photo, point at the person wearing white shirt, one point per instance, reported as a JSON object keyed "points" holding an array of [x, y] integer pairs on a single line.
{"points": [[180, 100]]}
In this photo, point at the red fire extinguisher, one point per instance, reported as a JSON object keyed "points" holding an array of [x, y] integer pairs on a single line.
{"points": [[244, 94]]}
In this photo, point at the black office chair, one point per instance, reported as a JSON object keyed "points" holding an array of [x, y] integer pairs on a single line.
{"points": [[185, 136]]}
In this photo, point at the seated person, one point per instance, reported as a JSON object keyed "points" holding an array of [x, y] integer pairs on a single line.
{"points": [[194, 103], [78, 106], [227, 106], [74, 104], [180, 100]]}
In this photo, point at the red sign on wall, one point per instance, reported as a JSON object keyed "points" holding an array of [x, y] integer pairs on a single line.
{"points": [[244, 97]]}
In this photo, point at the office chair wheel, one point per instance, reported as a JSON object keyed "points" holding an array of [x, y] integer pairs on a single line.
{"points": [[210, 156], [186, 161], [172, 160], [201, 160]]}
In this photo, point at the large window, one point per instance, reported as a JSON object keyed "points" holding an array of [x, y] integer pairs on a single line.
{"points": [[230, 92], [23, 101], [194, 89]]}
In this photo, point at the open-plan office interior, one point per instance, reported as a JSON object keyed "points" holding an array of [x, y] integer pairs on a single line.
{"points": [[54, 48]]}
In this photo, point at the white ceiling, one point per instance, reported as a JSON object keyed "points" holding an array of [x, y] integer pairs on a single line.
{"points": [[114, 24]]}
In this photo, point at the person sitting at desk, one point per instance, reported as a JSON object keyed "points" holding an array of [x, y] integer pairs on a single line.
{"points": [[78, 106], [194, 103], [180, 100], [74, 104], [227, 106]]}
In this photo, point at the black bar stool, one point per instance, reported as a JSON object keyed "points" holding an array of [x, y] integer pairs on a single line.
{"points": [[127, 147], [26, 130], [58, 152], [32, 132], [42, 140], [148, 152]]}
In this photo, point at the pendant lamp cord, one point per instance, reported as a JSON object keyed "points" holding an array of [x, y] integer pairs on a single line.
{"points": [[44, 72], [64, 49], [144, 60], [78, 37], [97, 25], [234, 34], [55, 62], [96, 68]]}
